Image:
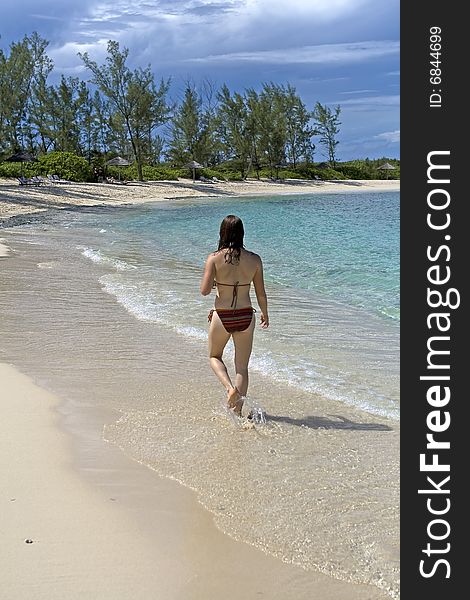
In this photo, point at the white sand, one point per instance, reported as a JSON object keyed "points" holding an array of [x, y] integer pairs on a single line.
{"points": [[143, 538], [16, 199], [4, 249]]}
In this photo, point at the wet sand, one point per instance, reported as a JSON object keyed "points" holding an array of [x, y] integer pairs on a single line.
{"points": [[106, 527]]}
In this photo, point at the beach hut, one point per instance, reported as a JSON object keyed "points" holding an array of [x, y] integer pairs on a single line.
{"points": [[194, 165], [22, 157], [118, 161], [386, 167]]}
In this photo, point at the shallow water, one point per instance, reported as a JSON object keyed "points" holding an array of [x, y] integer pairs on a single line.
{"points": [[105, 322], [331, 267]]}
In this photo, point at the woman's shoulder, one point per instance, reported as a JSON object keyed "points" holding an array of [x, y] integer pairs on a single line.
{"points": [[252, 255]]}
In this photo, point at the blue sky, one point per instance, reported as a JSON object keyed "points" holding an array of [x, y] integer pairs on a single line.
{"points": [[335, 51]]}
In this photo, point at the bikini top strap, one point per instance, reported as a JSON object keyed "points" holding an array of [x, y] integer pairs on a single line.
{"points": [[235, 290], [235, 295]]}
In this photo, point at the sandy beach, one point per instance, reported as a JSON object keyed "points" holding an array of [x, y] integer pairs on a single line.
{"points": [[101, 525], [4, 249], [18, 200], [109, 528]]}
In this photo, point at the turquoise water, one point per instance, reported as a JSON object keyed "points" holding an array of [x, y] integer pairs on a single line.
{"points": [[332, 273], [345, 246]]}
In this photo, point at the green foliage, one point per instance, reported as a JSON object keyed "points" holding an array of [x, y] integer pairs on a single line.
{"points": [[75, 168], [133, 95], [289, 174], [235, 171], [353, 171], [8, 170], [368, 169], [327, 127], [264, 129], [227, 171], [150, 173], [272, 125], [329, 174], [387, 174], [66, 165], [25, 65], [383, 174], [311, 172], [192, 131], [262, 132], [233, 176], [233, 129], [209, 174], [55, 114], [158, 173], [222, 174], [299, 132]]}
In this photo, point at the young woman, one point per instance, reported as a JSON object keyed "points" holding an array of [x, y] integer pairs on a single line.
{"points": [[232, 269]]}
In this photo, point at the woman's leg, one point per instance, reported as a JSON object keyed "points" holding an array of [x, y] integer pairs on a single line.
{"points": [[243, 341], [218, 338]]}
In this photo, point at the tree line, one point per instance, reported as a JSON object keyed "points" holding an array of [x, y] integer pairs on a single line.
{"points": [[124, 111]]}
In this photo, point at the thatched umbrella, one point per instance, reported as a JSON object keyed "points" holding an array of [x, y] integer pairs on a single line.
{"points": [[22, 157], [194, 165], [386, 167], [118, 161]]}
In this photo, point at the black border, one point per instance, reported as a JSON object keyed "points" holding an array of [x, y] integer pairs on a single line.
{"points": [[423, 130]]}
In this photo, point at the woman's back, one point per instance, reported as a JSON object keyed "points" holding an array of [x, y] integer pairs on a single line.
{"points": [[233, 278]]}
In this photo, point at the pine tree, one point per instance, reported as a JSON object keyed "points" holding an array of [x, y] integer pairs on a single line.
{"points": [[327, 123], [133, 95]]}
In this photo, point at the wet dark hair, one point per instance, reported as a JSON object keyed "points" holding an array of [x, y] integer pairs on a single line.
{"points": [[231, 238]]}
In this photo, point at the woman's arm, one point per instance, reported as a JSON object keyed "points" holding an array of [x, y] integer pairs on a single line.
{"points": [[258, 282], [208, 277]]}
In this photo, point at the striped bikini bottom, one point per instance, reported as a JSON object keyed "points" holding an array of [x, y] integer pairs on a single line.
{"points": [[236, 319]]}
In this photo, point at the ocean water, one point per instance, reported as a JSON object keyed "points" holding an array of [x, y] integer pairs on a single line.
{"points": [[111, 316], [332, 274]]}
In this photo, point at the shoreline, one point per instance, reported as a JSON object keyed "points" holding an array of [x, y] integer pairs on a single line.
{"points": [[138, 535], [20, 205], [87, 450]]}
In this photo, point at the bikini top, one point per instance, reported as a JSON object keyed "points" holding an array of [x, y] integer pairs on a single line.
{"points": [[235, 290]]}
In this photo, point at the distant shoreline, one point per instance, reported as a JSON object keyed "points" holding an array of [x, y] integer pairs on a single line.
{"points": [[18, 203]]}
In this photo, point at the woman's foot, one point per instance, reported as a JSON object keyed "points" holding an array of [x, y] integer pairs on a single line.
{"points": [[235, 401]]}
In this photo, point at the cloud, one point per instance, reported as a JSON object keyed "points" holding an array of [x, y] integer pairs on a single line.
{"points": [[215, 31], [48, 17], [391, 137], [353, 52], [358, 92], [371, 101], [326, 10], [323, 47], [62, 56], [211, 8]]}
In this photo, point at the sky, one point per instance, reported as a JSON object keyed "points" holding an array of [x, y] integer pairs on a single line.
{"points": [[342, 52]]}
